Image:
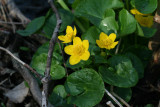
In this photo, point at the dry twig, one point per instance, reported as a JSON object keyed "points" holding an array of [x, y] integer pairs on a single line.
{"points": [[23, 63], [46, 79], [109, 103], [113, 98]]}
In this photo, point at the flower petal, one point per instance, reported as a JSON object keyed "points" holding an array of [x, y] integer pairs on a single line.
{"points": [[85, 56], [112, 36], [100, 43], [69, 49], [76, 41], [85, 44], [65, 39], [135, 11], [144, 21], [103, 36], [114, 44], [74, 59], [69, 30], [74, 32]]}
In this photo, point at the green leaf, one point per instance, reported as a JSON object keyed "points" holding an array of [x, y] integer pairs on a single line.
{"points": [[142, 52], [127, 23], [57, 72], [92, 35], [44, 49], [60, 90], [67, 18], [146, 6], [148, 32], [124, 93], [108, 24], [120, 74], [145, 31], [86, 88], [137, 64], [109, 13], [139, 30], [39, 63], [57, 98], [100, 59], [94, 50], [96, 12], [33, 26]]}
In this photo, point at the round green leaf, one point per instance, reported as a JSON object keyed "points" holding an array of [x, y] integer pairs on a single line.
{"points": [[86, 88], [108, 24], [57, 98], [91, 35], [57, 72], [146, 6], [148, 32], [137, 64], [33, 26], [120, 74], [127, 23], [39, 63], [60, 90]]}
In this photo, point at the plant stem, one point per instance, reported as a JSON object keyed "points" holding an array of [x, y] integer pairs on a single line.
{"points": [[127, 4]]}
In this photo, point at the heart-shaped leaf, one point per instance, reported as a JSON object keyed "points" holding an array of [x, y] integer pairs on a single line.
{"points": [[86, 88], [120, 74]]}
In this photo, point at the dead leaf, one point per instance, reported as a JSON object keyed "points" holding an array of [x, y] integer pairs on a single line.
{"points": [[17, 94]]}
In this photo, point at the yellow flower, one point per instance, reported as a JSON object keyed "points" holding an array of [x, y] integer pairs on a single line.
{"points": [[144, 21], [78, 51], [70, 34], [106, 41], [135, 11]]}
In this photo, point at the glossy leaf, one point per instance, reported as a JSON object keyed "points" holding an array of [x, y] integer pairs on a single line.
{"points": [[146, 6], [137, 64], [33, 26], [39, 63], [91, 35], [95, 11], [86, 88], [60, 90], [127, 23], [120, 74]]}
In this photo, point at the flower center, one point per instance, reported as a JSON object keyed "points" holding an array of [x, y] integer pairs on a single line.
{"points": [[108, 42], [79, 50]]}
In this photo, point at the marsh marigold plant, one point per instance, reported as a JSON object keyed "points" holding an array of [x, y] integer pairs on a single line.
{"points": [[145, 20], [78, 51], [70, 34], [106, 41]]}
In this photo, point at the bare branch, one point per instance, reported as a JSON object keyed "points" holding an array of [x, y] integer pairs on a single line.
{"points": [[46, 79], [20, 61], [109, 103]]}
